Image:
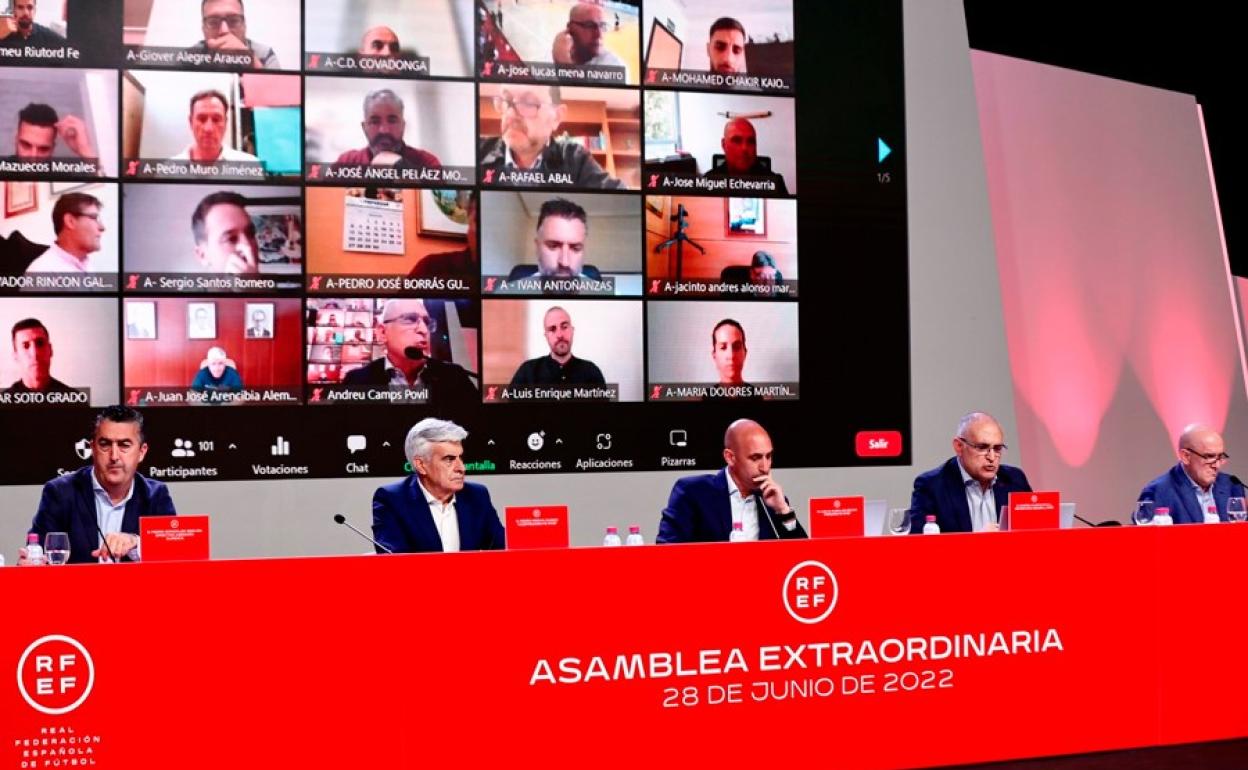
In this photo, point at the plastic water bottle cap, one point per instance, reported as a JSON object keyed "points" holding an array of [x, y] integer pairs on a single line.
{"points": [[613, 530], [736, 525], [634, 529], [931, 517], [1163, 512], [32, 539]]}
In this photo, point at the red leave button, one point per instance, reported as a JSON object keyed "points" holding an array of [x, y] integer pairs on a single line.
{"points": [[878, 443]]}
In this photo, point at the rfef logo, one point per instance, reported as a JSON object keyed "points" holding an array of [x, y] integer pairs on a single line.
{"points": [[878, 443], [810, 592], [55, 675]]}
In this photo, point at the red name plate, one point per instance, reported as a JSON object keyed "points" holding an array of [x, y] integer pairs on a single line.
{"points": [[537, 526], [836, 516], [175, 538], [1035, 510]]}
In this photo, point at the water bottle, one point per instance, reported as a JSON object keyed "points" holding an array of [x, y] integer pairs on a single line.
{"points": [[1162, 518], [634, 536], [34, 551], [931, 527], [613, 537], [738, 534], [1, 560], [1211, 516]]}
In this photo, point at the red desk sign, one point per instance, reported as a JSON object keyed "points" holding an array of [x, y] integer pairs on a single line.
{"points": [[537, 526], [878, 443], [837, 516], [175, 538], [1035, 510]]}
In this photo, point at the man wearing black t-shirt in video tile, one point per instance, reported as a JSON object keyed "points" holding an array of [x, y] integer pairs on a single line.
{"points": [[560, 367]]}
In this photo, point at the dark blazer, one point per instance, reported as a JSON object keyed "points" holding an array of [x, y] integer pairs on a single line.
{"points": [[1173, 490], [698, 511], [941, 492], [68, 505], [564, 157], [403, 522]]}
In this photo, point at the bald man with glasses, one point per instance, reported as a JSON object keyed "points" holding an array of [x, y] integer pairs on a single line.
{"points": [[1196, 482], [967, 492]]}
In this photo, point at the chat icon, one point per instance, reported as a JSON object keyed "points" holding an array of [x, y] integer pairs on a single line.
{"points": [[357, 443]]}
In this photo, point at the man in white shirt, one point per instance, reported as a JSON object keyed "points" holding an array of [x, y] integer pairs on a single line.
{"points": [[78, 227], [208, 119], [708, 508], [435, 509]]}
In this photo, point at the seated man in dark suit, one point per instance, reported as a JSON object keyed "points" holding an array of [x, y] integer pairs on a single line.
{"points": [[105, 497], [967, 492], [434, 509], [703, 509], [1195, 483]]}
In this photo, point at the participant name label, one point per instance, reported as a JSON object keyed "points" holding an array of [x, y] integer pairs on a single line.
{"points": [[498, 284], [684, 391], [399, 174], [410, 66], [774, 84], [567, 73], [149, 168], [502, 394]]}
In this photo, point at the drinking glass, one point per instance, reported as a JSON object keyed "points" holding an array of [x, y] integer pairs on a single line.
{"points": [[899, 521], [1143, 513], [1236, 509], [56, 546]]}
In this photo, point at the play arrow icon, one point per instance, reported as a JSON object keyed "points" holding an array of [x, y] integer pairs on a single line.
{"points": [[882, 150]]}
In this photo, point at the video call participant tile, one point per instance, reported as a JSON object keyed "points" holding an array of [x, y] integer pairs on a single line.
{"points": [[212, 238], [537, 243], [392, 240], [749, 153], [408, 350], [708, 351], [59, 123], [733, 45], [567, 41], [211, 125], [60, 352], [399, 132], [51, 33], [378, 38], [212, 352], [735, 248], [557, 137], [546, 350], [59, 237], [232, 35]]}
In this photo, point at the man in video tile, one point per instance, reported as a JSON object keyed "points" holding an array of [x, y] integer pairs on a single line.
{"points": [[21, 30], [381, 42], [582, 41], [225, 30], [218, 374], [560, 367], [462, 262], [406, 329], [76, 222], [38, 128], [384, 126], [32, 351], [225, 235], [207, 120], [530, 116], [726, 46], [740, 144]]}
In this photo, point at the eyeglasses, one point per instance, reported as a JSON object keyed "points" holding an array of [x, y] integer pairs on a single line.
{"points": [[1212, 459], [412, 320], [95, 216], [526, 108], [233, 21], [984, 449], [601, 26]]}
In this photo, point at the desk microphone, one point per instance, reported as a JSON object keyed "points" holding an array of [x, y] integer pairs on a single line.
{"points": [[339, 518], [104, 544], [1106, 523], [414, 353], [762, 506]]}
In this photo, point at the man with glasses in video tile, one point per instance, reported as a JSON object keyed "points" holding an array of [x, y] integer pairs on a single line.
{"points": [[225, 30], [967, 492], [581, 42], [530, 115], [1196, 483], [406, 328]]}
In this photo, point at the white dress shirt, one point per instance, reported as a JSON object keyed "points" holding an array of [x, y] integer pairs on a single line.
{"points": [[58, 260], [744, 508], [109, 514], [982, 502], [1203, 496], [444, 520], [227, 153]]}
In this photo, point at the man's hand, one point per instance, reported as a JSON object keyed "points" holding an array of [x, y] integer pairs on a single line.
{"points": [[120, 543], [227, 42], [992, 526], [769, 489], [561, 52], [8, 26], [73, 133], [242, 261], [22, 561]]}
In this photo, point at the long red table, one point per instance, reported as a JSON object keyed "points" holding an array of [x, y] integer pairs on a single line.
{"points": [[932, 650]]}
